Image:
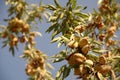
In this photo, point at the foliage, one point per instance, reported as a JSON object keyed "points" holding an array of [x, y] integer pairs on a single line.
{"points": [[92, 45]]}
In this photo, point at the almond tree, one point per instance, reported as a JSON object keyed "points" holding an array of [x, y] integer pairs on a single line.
{"points": [[91, 40]]}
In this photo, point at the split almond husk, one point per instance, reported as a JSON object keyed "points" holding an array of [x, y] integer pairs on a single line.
{"points": [[76, 58]]}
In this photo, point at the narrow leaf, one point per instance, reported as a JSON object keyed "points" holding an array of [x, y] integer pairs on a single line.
{"points": [[66, 72], [11, 49], [57, 3], [52, 27], [74, 3]]}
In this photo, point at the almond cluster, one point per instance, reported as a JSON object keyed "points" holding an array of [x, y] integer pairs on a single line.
{"points": [[36, 64]]}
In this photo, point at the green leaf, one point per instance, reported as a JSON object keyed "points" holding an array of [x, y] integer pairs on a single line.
{"points": [[83, 15], [56, 39], [74, 3], [4, 43], [53, 18], [54, 34], [57, 4], [59, 73], [58, 60], [93, 56], [51, 7], [61, 54], [66, 72], [100, 51], [11, 49], [97, 42], [84, 8], [66, 40], [52, 27], [63, 72]]}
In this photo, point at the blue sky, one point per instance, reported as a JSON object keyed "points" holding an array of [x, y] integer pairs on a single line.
{"points": [[12, 68]]}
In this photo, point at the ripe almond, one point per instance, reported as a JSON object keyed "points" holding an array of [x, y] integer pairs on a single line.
{"points": [[104, 69], [80, 71], [102, 37], [85, 49], [30, 70], [77, 71], [32, 34], [25, 28], [41, 60], [33, 43], [102, 60], [15, 39], [22, 39], [100, 25], [76, 58], [12, 44], [4, 35], [110, 42], [83, 42], [111, 31], [31, 38]]}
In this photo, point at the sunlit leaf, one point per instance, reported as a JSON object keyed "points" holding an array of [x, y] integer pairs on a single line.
{"points": [[56, 39], [100, 76], [65, 39], [83, 15], [100, 51], [59, 44], [58, 60], [73, 3], [51, 7], [59, 73], [100, 1]]}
